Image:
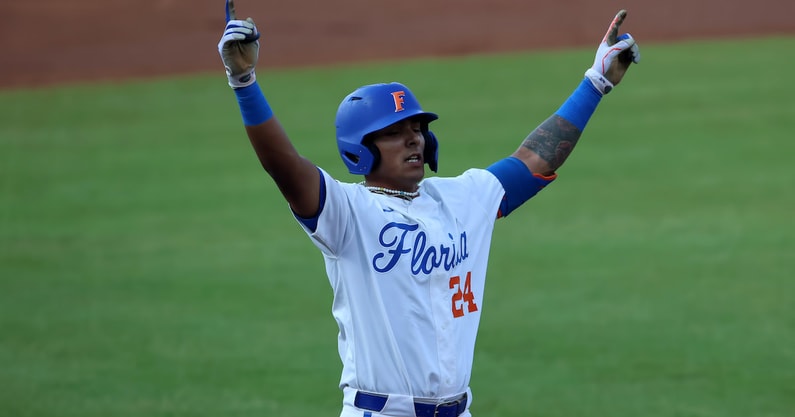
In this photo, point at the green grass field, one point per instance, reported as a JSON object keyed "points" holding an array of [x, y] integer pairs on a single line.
{"points": [[149, 266]]}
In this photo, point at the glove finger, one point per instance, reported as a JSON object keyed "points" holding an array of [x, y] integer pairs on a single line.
{"points": [[618, 51], [230, 10], [239, 33], [611, 36], [625, 55], [255, 34], [245, 31], [625, 43], [241, 24], [633, 51], [620, 46], [246, 27], [233, 36], [230, 40], [625, 36]]}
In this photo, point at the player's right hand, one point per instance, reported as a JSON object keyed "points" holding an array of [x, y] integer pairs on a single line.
{"points": [[239, 48], [613, 57]]}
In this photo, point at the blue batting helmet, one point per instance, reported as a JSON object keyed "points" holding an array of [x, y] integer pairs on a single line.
{"points": [[374, 107]]}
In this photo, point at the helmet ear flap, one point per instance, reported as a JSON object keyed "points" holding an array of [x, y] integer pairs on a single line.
{"points": [[431, 152], [370, 145]]}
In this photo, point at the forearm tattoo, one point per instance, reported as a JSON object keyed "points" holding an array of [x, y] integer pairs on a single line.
{"points": [[553, 140]]}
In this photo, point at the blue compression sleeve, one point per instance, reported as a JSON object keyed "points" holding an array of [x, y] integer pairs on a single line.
{"points": [[581, 105], [519, 183], [253, 106]]}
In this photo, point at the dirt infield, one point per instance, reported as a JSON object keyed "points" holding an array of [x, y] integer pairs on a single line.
{"points": [[55, 41]]}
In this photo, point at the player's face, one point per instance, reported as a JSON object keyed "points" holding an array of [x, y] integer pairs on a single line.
{"points": [[402, 166]]}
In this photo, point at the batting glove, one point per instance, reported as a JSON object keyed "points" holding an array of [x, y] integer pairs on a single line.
{"points": [[613, 57], [239, 48]]}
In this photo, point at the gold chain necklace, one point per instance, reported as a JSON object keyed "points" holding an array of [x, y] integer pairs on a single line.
{"points": [[390, 192]]}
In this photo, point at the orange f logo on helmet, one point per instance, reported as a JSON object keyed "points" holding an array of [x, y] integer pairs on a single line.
{"points": [[398, 97]]}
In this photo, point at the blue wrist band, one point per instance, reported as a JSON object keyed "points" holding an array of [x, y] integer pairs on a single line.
{"points": [[253, 106], [581, 105]]}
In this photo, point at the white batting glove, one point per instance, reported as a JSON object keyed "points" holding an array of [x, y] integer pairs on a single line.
{"points": [[613, 57], [239, 48]]}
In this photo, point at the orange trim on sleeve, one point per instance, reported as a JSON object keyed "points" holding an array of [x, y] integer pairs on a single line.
{"points": [[547, 177]]}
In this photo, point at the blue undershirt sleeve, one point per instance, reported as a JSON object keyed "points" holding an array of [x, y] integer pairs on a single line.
{"points": [[311, 222], [519, 183]]}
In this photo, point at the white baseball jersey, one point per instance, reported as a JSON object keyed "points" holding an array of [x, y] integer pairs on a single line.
{"points": [[408, 281]]}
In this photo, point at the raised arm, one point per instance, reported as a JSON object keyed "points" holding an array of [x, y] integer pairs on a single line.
{"points": [[548, 146], [297, 178]]}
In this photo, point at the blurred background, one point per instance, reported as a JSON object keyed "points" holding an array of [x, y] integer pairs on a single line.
{"points": [[49, 41]]}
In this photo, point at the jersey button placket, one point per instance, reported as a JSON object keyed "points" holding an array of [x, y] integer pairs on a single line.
{"points": [[445, 342]]}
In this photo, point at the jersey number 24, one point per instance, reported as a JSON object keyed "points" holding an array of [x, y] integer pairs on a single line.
{"points": [[462, 295]]}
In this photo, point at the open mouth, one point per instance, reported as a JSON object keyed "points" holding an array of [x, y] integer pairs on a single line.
{"points": [[415, 158]]}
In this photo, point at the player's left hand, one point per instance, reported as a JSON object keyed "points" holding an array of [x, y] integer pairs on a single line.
{"points": [[613, 57], [239, 48]]}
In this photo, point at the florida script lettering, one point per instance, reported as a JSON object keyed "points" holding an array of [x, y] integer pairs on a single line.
{"points": [[400, 239]]}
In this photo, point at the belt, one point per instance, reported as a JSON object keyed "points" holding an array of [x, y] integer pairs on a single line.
{"points": [[376, 402]]}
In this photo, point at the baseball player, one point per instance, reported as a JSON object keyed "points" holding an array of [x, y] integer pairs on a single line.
{"points": [[406, 255]]}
